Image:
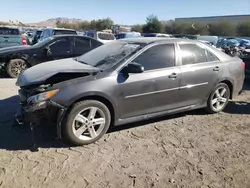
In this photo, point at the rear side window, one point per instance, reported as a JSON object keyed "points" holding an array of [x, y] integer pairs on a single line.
{"points": [[192, 54], [106, 36], [9, 31], [157, 57], [95, 43], [64, 32], [81, 45], [211, 56]]}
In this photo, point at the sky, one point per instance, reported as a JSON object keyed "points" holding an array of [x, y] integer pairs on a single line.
{"points": [[125, 12]]}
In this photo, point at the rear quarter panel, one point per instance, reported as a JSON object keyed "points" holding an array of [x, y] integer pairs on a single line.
{"points": [[235, 73]]}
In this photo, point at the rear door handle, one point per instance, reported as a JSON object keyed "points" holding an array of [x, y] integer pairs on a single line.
{"points": [[173, 75], [216, 69]]}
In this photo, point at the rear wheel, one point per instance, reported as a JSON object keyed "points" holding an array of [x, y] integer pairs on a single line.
{"points": [[86, 123], [218, 99], [15, 67]]}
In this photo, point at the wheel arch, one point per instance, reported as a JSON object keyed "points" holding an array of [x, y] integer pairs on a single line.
{"points": [[21, 56], [230, 85], [99, 98]]}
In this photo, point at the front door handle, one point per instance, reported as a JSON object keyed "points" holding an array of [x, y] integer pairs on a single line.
{"points": [[216, 69], [173, 75]]}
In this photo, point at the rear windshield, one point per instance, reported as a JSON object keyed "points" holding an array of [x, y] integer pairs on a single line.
{"points": [[106, 36], [9, 31], [150, 35], [64, 32], [92, 35]]}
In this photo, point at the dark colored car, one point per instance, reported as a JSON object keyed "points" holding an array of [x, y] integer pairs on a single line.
{"points": [[56, 31], [16, 59], [125, 81], [36, 36]]}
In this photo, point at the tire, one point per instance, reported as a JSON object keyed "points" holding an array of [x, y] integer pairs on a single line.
{"points": [[214, 99], [15, 67], [70, 125]]}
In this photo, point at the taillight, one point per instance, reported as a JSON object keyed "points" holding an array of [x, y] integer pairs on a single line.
{"points": [[24, 41], [243, 65]]}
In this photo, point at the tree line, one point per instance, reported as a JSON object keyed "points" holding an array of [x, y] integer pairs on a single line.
{"points": [[223, 28], [154, 25], [99, 24]]}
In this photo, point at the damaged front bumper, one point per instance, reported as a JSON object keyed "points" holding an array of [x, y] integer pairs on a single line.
{"points": [[36, 114]]}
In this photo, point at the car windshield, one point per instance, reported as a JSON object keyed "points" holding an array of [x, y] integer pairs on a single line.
{"points": [[108, 55], [43, 42]]}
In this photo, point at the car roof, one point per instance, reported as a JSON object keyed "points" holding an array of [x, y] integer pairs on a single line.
{"points": [[148, 40]]}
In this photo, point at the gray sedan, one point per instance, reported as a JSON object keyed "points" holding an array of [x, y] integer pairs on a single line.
{"points": [[126, 81]]}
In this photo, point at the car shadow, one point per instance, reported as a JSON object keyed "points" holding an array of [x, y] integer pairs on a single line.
{"points": [[237, 107]]}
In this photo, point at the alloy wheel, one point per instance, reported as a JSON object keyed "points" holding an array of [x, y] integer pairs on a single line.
{"points": [[220, 98], [89, 123], [18, 67]]}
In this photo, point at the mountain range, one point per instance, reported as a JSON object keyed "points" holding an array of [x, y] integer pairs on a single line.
{"points": [[52, 22]]}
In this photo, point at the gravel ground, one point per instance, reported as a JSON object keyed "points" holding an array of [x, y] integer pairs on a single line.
{"points": [[186, 150]]}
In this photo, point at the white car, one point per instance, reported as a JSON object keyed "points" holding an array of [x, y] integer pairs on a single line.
{"points": [[101, 36]]}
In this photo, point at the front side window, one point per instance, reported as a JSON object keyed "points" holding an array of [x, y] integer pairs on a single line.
{"points": [[192, 54], [157, 57]]}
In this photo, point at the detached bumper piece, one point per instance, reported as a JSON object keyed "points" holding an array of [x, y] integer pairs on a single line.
{"points": [[30, 116]]}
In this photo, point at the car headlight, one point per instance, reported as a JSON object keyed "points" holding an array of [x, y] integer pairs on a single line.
{"points": [[42, 96]]}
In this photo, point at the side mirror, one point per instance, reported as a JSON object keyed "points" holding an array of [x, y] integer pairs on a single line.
{"points": [[133, 68]]}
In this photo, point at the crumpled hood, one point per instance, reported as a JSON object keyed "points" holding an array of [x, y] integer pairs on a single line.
{"points": [[40, 73], [12, 49]]}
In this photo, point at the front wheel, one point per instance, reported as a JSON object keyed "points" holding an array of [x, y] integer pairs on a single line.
{"points": [[218, 99], [86, 122], [15, 67]]}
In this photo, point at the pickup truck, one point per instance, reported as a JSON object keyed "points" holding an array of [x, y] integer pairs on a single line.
{"points": [[11, 37]]}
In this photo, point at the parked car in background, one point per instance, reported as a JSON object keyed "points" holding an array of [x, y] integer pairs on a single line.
{"points": [[36, 36], [11, 36], [56, 31], [101, 36], [157, 35], [183, 36], [212, 39], [124, 35], [17, 59], [125, 81]]}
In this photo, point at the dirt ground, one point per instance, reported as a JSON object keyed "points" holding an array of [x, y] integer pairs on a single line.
{"points": [[186, 150]]}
